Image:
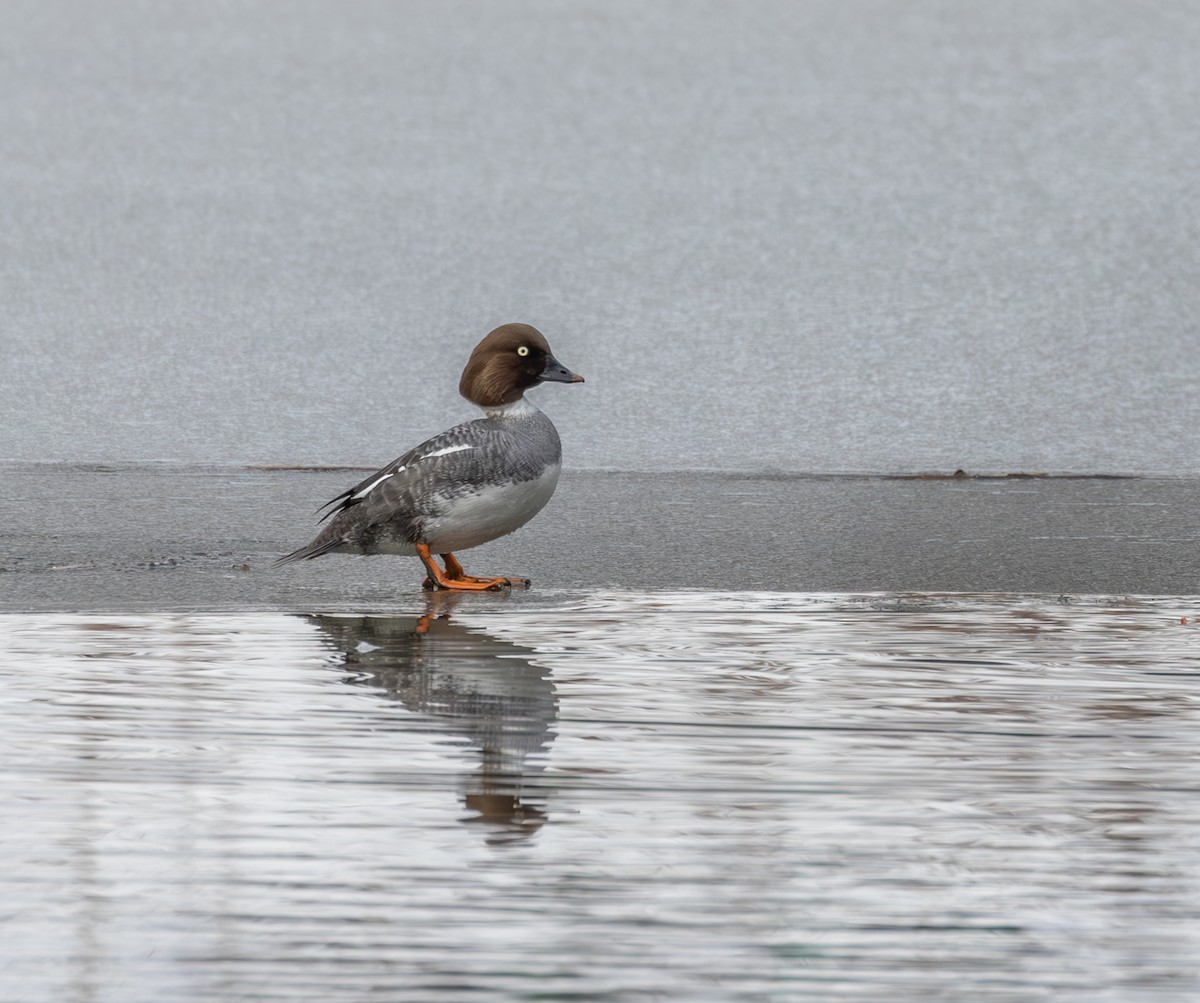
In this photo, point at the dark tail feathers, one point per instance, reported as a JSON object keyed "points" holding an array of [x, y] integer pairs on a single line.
{"points": [[308, 552]]}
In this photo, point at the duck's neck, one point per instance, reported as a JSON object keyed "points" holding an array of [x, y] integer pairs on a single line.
{"points": [[519, 408]]}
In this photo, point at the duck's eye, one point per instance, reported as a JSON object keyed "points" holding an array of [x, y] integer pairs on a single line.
{"points": [[522, 351]]}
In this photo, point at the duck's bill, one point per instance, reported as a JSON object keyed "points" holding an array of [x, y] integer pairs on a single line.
{"points": [[556, 372]]}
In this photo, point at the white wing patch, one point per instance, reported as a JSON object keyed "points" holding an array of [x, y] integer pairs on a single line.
{"points": [[374, 484], [428, 456], [445, 450]]}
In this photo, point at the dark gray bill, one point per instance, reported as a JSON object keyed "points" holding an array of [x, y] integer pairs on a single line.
{"points": [[556, 372]]}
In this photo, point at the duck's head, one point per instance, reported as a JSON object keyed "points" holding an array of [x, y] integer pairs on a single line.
{"points": [[509, 361]]}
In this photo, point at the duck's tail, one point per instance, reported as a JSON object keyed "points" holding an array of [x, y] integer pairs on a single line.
{"points": [[309, 551]]}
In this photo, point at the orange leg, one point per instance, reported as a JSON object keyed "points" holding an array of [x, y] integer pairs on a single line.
{"points": [[426, 621], [455, 578], [455, 571]]}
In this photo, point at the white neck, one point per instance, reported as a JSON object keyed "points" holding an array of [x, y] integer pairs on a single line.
{"points": [[519, 408]]}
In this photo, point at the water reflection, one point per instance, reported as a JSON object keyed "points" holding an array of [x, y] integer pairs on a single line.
{"points": [[478, 688], [787, 798]]}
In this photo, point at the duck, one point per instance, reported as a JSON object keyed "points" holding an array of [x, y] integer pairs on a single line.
{"points": [[473, 483]]}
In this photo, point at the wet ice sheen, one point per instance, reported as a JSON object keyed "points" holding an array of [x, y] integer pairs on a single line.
{"points": [[674, 797]]}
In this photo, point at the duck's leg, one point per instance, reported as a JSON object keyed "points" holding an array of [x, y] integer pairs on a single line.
{"points": [[455, 578], [455, 571], [425, 621]]}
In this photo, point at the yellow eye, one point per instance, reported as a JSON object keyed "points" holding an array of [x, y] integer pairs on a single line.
{"points": [[522, 351]]}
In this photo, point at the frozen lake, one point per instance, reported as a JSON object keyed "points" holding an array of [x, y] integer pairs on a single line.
{"points": [[197, 539], [774, 236]]}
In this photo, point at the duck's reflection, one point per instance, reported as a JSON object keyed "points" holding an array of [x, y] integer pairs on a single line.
{"points": [[469, 684]]}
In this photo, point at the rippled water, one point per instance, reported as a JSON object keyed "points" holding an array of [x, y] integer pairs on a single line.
{"points": [[676, 797]]}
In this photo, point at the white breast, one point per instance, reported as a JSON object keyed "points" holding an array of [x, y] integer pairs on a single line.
{"points": [[490, 512]]}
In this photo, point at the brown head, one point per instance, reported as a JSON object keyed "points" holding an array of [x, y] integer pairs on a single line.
{"points": [[509, 361]]}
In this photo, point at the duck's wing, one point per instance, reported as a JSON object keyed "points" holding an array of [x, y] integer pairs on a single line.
{"points": [[453, 456]]}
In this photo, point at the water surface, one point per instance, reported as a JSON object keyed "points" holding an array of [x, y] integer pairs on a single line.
{"points": [[667, 797]]}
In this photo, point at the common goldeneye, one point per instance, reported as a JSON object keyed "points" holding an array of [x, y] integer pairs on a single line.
{"points": [[473, 483]]}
